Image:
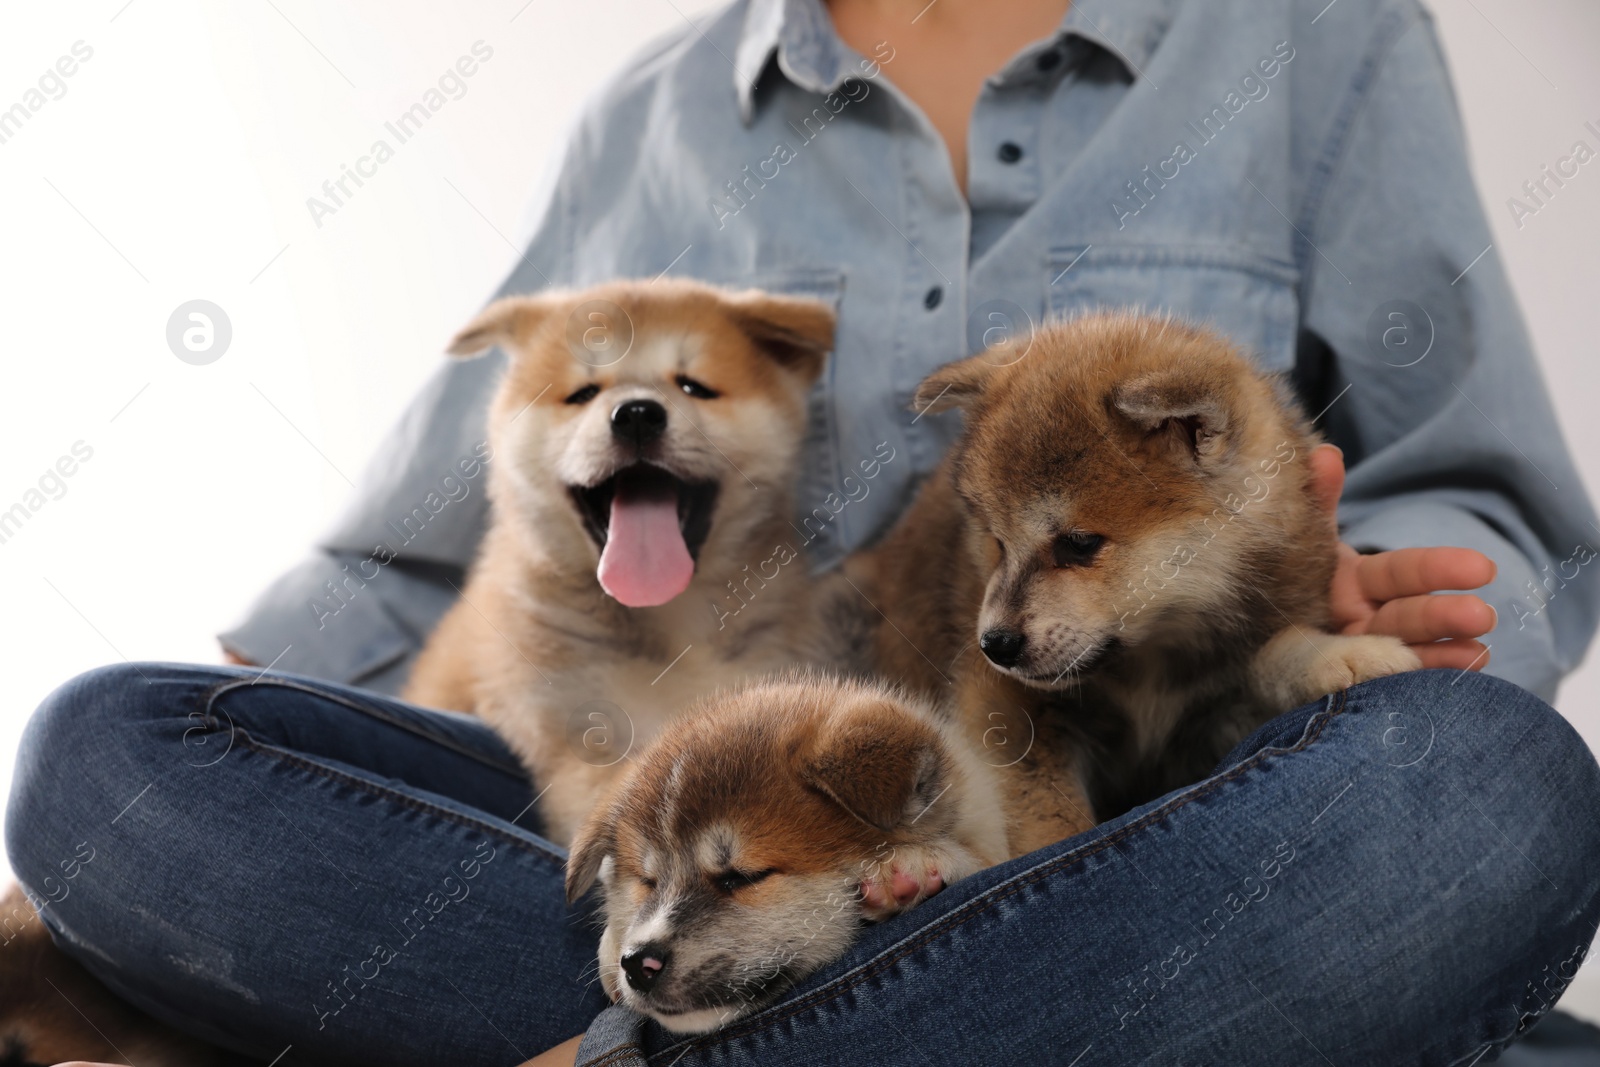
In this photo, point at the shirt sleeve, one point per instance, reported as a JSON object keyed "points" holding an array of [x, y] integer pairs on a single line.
{"points": [[359, 607], [1435, 395]]}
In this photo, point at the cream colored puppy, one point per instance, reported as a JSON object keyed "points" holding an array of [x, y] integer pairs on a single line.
{"points": [[645, 439]]}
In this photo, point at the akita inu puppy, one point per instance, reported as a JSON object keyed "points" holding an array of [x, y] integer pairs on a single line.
{"points": [[1121, 563], [744, 848], [645, 440]]}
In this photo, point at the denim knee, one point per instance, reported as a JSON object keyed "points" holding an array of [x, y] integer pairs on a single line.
{"points": [[1484, 831], [1489, 747], [86, 754], [1500, 739]]}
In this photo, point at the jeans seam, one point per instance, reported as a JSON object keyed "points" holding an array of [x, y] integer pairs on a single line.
{"points": [[620, 1054], [221, 689], [396, 796], [977, 906]]}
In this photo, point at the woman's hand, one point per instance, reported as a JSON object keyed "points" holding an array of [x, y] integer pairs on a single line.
{"points": [[1392, 592]]}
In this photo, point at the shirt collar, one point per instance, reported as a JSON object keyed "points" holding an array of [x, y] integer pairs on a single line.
{"points": [[811, 55], [1128, 29]]}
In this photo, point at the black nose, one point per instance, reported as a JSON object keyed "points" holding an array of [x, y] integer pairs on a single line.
{"points": [[639, 421], [644, 965], [1003, 647]]}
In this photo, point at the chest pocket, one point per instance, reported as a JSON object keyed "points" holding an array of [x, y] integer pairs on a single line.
{"points": [[1246, 297]]}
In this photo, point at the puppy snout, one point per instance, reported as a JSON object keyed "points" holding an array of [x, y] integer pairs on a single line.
{"points": [[644, 965], [638, 422], [1002, 646]]}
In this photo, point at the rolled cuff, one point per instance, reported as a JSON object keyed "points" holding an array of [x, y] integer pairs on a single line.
{"points": [[323, 619], [614, 1039]]}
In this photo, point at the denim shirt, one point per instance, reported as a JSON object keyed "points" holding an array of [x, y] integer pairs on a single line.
{"points": [[1291, 172]]}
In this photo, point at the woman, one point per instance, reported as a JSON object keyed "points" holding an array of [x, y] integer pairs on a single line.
{"points": [[1402, 873]]}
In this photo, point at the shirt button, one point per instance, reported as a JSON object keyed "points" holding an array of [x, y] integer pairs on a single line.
{"points": [[1048, 60], [931, 298], [1010, 152]]}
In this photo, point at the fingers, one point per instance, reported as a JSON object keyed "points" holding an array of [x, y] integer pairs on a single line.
{"points": [[1349, 605], [1408, 572], [1459, 655], [1327, 480], [1420, 620]]}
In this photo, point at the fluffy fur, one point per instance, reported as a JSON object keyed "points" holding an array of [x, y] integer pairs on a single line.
{"points": [[1120, 568], [569, 676], [745, 846]]}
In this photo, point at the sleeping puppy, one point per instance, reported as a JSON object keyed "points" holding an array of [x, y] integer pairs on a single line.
{"points": [[1122, 563], [645, 440], [747, 844]]}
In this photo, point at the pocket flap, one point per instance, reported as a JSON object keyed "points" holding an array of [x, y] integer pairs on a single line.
{"points": [[1249, 298]]}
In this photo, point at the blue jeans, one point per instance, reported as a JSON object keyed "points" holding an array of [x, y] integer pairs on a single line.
{"points": [[1406, 873]]}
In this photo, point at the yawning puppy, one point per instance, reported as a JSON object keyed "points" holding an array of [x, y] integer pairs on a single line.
{"points": [[744, 848], [1127, 531], [645, 438]]}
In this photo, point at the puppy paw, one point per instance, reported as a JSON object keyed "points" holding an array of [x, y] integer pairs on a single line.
{"points": [[1347, 661], [899, 880], [1298, 666]]}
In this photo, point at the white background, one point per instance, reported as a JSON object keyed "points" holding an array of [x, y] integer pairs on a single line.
{"points": [[178, 164]]}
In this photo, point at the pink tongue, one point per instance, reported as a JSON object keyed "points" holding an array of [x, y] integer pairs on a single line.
{"points": [[645, 562]]}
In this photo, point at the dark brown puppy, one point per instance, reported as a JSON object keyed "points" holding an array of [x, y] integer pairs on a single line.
{"points": [[1121, 566]]}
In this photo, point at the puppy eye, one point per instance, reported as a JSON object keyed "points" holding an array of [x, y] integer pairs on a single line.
{"points": [[584, 395], [648, 883], [729, 881], [696, 389], [1077, 549]]}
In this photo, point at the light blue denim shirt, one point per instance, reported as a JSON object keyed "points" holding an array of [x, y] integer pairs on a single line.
{"points": [[1291, 172]]}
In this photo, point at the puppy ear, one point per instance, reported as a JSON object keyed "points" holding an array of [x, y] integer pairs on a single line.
{"points": [[1188, 409], [594, 841], [876, 762], [796, 333], [954, 385], [507, 319]]}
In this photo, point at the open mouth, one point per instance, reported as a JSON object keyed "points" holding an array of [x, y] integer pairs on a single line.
{"points": [[649, 525]]}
